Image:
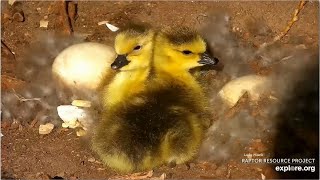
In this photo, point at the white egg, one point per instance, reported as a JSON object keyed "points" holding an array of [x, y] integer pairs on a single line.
{"points": [[82, 66], [253, 84]]}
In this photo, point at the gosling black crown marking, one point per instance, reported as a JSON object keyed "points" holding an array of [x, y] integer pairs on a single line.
{"points": [[133, 30], [181, 36]]}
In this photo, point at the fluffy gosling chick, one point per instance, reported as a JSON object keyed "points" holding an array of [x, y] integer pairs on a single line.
{"points": [[175, 53], [162, 124], [134, 49]]}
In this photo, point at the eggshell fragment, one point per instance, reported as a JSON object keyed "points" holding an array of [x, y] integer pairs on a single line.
{"points": [[253, 84], [81, 103], [46, 128], [73, 116], [70, 115], [112, 27], [81, 132], [83, 66], [11, 2], [44, 23]]}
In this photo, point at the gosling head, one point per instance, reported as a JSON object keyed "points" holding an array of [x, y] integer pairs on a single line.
{"points": [[185, 48], [134, 48]]}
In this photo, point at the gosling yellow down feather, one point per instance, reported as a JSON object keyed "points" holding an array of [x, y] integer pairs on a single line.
{"points": [[134, 48], [164, 121]]}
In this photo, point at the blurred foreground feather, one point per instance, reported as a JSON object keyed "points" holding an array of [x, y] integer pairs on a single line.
{"points": [[234, 129], [35, 70]]}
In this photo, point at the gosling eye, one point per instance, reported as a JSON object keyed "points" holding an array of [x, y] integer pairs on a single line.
{"points": [[137, 48], [186, 52]]}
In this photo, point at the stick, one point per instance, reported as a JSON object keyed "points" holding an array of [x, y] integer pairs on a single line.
{"points": [[288, 27], [292, 21], [23, 99], [64, 17], [8, 49]]}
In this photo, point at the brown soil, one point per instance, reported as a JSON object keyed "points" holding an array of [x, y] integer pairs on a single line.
{"points": [[28, 155]]}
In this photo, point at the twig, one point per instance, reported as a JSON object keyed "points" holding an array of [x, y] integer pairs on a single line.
{"points": [[72, 13], [64, 17], [135, 176], [284, 59], [23, 99], [292, 21], [7, 48], [69, 14], [229, 172], [287, 28]]}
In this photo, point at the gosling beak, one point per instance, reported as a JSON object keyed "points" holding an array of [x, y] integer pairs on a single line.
{"points": [[119, 62], [206, 59]]}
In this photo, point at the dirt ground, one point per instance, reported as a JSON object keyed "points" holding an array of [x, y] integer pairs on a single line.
{"points": [[27, 155]]}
